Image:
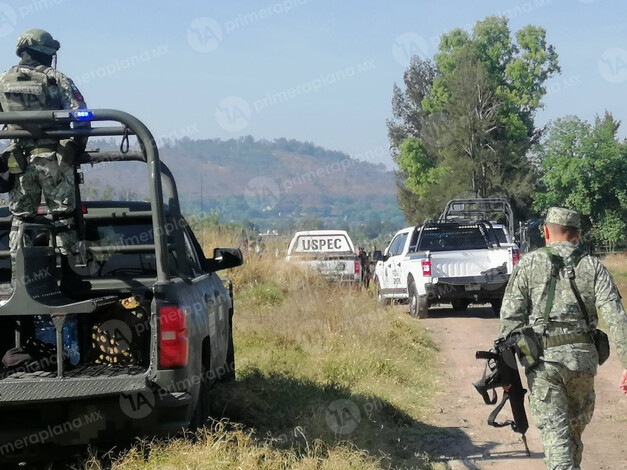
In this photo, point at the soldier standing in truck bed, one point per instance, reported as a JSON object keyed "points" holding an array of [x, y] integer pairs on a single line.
{"points": [[43, 166]]}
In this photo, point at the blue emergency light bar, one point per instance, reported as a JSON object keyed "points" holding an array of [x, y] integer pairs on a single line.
{"points": [[81, 115]]}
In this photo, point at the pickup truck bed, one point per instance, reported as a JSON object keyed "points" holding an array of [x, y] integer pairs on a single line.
{"points": [[153, 318]]}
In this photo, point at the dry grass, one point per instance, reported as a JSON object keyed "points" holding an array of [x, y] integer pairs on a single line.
{"points": [[617, 263], [225, 446], [326, 379]]}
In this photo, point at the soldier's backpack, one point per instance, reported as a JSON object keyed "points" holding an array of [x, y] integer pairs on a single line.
{"points": [[599, 337], [24, 88]]}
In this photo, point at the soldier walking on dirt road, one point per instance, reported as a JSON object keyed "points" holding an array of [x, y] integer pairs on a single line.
{"points": [[541, 293]]}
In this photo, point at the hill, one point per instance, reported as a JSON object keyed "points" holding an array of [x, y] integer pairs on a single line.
{"points": [[271, 184]]}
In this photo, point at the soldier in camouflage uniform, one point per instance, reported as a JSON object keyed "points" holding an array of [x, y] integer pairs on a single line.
{"points": [[34, 85], [562, 386]]}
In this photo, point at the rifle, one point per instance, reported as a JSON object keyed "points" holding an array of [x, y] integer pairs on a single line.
{"points": [[504, 373]]}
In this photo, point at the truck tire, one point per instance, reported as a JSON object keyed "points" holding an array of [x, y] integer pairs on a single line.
{"points": [[496, 306], [203, 404], [380, 299], [418, 305], [460, 304]]}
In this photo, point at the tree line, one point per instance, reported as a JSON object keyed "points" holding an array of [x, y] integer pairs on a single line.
{"points": [[463, 125]]}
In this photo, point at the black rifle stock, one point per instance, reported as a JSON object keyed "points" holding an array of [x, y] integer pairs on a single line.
{"points": [[504, 373]]}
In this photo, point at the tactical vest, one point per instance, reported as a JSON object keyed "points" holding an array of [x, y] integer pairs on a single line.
{"points": [[596, 336], [24, 88]]}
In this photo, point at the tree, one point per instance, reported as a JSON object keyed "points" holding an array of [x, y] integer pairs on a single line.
{"points": [[93, 192], [584, 167], [407, 120], [310, 222], [471, 117]]}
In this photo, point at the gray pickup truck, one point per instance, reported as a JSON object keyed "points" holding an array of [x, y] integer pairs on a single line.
{"points": [[148, 318]]}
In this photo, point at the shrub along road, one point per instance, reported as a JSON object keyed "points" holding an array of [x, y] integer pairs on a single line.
{"points": [[460, 407]]}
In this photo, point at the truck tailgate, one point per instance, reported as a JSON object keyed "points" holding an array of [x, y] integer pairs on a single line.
{"points": [[336, 266], [468, 263]]}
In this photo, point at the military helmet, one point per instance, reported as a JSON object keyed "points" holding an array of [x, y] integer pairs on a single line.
{"points": [[37, 40]]}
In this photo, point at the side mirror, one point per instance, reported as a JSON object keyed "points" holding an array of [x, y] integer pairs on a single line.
{"points": [[224, 258]]}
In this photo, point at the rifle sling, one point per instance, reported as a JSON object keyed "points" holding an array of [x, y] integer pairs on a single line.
{"points": [[492, 418]]}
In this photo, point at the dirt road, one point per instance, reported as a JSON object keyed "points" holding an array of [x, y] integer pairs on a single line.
{"points": [[470, 443]]}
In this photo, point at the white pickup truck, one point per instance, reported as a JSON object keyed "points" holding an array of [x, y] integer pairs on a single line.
{"points": [[442, 262], [330, 252]]}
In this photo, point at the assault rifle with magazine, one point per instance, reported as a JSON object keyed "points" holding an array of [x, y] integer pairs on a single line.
{"points": [[501, 361]]}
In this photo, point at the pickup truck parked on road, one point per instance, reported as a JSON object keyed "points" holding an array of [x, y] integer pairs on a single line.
{"points": [[148, 319], [330, 252], [441, 262], [481, 210]]}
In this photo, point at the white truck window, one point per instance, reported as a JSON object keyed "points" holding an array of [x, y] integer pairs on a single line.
{"points": [[396, 248], [458, 238]]}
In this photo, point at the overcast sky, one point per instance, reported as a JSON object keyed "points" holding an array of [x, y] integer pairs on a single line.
{"points": [[312, 70]]}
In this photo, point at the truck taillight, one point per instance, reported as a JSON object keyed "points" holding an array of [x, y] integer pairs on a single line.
{"points": [[173, 337], [515, 256], [357, 267], [426, 267]]}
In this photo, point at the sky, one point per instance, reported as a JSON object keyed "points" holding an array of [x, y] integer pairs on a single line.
{"points": [[320, 71]]}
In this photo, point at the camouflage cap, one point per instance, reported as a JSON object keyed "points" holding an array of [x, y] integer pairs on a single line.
{"points": [[38, 40], [563, 216]]}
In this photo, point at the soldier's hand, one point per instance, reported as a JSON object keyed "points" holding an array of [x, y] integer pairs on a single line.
{"points": [[623, 383]]}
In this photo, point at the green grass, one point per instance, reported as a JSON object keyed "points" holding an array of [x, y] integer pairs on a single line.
{"points": [[326, 379]]}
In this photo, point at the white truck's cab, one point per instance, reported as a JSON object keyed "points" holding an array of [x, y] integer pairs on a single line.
{"points": [[330, 252]]}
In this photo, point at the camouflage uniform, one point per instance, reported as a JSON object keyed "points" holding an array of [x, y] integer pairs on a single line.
{"points": [[45, 171], [562, 386]]}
